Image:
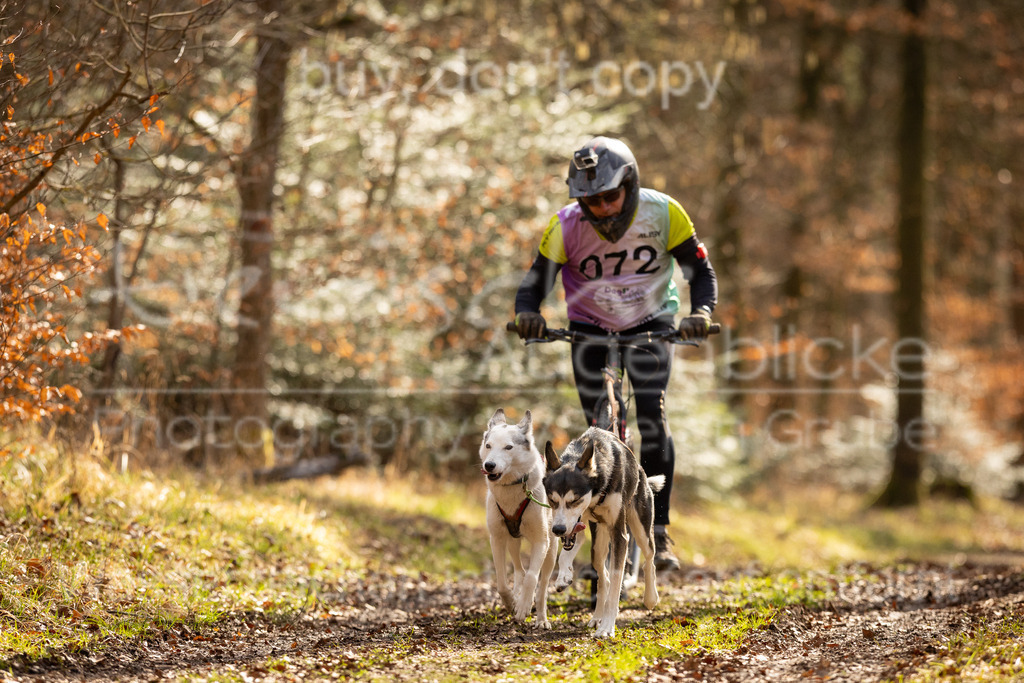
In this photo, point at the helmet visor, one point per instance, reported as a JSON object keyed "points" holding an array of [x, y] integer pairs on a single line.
{"points": [[609, 197]]}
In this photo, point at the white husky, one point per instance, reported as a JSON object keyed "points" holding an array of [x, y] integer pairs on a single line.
{"points": [[518, 507]]}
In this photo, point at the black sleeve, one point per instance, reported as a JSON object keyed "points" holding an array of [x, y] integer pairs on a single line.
{"points": [[537, 284], [692, 257]]}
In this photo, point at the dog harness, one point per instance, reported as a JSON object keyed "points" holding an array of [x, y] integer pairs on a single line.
{"points": [[514, 522], [603, 493]]}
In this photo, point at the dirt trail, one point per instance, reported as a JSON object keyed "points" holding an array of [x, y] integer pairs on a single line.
{"points": [[868, 629], [877, 629]]}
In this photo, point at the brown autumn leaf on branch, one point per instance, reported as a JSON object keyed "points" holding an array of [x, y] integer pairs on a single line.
{"points": [[42, 260]]}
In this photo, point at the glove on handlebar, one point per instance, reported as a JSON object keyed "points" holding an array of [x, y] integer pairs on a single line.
{"points": [[531, 325], [695, 326]]}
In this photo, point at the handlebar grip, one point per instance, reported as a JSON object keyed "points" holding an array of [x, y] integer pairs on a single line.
{"points": [[510, 326], [715, 328]]}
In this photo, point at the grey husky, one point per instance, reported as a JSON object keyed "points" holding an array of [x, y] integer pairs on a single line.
{"points": [[597, 479], [517, 508]]}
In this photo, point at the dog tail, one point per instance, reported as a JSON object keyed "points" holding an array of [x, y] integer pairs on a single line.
{"points": [[656, 483]]}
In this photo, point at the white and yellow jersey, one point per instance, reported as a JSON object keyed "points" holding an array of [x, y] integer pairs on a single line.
{"points": [[619, 285]]}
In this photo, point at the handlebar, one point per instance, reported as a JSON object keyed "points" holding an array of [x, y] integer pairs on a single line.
{"points": [[671, 336]]}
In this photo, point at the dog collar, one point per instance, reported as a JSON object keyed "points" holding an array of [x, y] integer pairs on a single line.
{"points": [[526, 489]]}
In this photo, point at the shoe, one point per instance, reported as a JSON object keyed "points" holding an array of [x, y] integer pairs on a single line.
{"points": [[664, 559]]}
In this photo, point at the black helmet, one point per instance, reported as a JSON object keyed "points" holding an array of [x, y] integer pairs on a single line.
{"points": [[601, 165]]}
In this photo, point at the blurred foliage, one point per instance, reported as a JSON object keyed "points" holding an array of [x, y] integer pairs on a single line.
{"points": [[425, 151]]}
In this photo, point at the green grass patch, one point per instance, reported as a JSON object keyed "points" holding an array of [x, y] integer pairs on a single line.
{"points": [[985, 652], [640, 646], [88, 557], [823, 528]]}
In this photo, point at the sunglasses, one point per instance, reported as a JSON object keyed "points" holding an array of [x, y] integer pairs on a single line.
{"points": [[609, 197]]}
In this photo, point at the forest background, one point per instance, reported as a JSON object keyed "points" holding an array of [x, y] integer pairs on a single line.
{"points": [[283, 230]]}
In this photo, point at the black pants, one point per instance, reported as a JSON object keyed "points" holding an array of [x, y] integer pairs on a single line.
{"points": [[648, 367]]}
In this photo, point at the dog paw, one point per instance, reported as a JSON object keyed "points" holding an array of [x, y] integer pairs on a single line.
{"points": [[542, 624], [605, 628], [563, 581], [506, 599], [523, 610]]}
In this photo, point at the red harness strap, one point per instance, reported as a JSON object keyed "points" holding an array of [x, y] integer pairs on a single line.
{"points": [[512, 523]]}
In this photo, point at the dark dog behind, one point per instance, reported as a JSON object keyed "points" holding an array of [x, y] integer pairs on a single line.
{"points": [[598, 479]]}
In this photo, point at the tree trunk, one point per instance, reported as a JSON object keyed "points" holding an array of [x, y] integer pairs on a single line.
{"points": [[116, 281], [1017, 278], [729, 256], [729, 267], [256, 175], [1016, 312], [907, 454], [790, 323]]}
